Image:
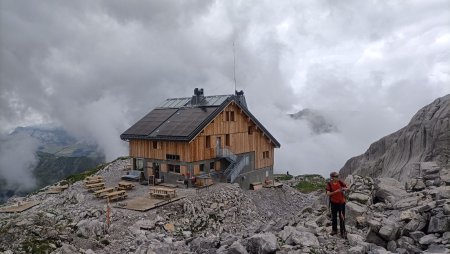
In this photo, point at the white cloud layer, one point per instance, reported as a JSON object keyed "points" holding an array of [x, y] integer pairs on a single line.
{"points": [[95, 67]]}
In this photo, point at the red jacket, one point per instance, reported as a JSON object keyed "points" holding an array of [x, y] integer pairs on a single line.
{"points": [[338, 197]]}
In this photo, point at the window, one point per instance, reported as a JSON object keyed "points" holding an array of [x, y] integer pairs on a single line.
{"points": [[202, 167], [250, 130], [173, 157], [173, 168], [266, 155], [155, 144], [212, 165], [208, 141], [229, 116], [140, 164], [227, 139]]}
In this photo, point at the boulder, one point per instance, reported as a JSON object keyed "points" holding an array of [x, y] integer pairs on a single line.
{"points": [[437, 248], [354, 239], [428, 239], [439, 224], [416, 235], [359, 197], [262, 243], [304, 239], [204, 244], [353, 210], [357, 250], [373, 237], [236, 248], [91, 228], [407, 202], [389, 230], [408, 244], [389, 189]]}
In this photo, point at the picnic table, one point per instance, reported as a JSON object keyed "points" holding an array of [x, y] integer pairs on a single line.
{"points": [[95, 186], [115, 195], [163, 192], [125, 185], [102, 193], [91, 181], [93, 178]]}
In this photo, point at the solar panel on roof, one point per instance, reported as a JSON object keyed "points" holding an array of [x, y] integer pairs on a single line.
{"points": [[150, 122], [184, 123]]}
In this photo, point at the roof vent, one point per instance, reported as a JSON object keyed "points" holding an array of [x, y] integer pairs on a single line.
{"points": [[198, 97], [241, 98]]}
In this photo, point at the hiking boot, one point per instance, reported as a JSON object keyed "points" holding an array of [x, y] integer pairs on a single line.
{"points": [[333, 232], [344, 235]]}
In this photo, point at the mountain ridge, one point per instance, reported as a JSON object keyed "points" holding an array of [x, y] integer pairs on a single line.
{"points": [[426, 138]]}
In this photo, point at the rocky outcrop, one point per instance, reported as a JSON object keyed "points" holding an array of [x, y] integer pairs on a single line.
{"points": [[426, 138]]}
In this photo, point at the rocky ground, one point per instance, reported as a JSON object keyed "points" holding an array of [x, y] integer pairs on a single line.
{"points": [[382, 217]]}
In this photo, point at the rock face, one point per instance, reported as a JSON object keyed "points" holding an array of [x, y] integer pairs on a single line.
{"points": [[426, 138]]}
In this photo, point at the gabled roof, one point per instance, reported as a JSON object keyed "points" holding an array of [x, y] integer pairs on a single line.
{"points": [[177, 120]]}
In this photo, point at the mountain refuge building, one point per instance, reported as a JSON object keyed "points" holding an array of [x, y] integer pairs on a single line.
{"points": [[202, 136]]}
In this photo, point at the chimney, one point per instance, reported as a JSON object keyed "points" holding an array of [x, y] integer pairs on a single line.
{"points": [[240, 98], [198, 97]]}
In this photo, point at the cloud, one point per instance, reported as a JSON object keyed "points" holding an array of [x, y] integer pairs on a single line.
{"points": [[17, 161], [97, 67]]}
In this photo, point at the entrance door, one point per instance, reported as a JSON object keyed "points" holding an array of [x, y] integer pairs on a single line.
{"points": [[218, 142], [156, 170]]}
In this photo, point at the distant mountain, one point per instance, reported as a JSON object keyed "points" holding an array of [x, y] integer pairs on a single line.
{"points": [[58, 156], [316, 120], [426, 138]]}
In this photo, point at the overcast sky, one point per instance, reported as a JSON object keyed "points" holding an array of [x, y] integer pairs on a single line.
{"points": [[96, 67]]}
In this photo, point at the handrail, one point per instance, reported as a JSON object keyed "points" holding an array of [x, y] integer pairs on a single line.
{"points": [[225, 153], [238, 168]]}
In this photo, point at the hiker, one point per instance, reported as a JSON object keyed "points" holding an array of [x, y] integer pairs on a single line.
{"points": [[335, 190]]}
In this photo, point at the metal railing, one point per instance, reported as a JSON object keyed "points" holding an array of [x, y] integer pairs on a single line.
{"points": [[238, 167], [225, 153]]}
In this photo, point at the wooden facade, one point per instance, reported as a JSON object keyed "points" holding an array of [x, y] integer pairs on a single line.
{"points": [[231, 129]]}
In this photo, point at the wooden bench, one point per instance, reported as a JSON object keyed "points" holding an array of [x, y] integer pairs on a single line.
{"points": [[92, 181], [102, 193], [116, 195], [95, 186], [125, 186], [93, 178], [162, 192]]}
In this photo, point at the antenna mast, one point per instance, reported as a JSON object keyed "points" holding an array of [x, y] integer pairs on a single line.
{"points": [[234, 67]]}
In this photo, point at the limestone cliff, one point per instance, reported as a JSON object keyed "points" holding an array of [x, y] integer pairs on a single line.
{"points": [[425, 138]]}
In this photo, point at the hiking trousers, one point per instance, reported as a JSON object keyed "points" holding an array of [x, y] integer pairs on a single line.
{"points": [[338, 210]]}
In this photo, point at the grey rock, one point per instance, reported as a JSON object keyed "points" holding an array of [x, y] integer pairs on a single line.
{"points": [[425, 138], [204, 244], [389, 231], [407, 202], [357, 250], [416, 235], [437, 248], [439, 224], [352, 211], [354, 239], [91, 228], [408, 244], [391, 246], [373, 237], [304, 239], [236, 248], [428, 239], [389, 189], [375, 249], [359, 197], [262, 243]]}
